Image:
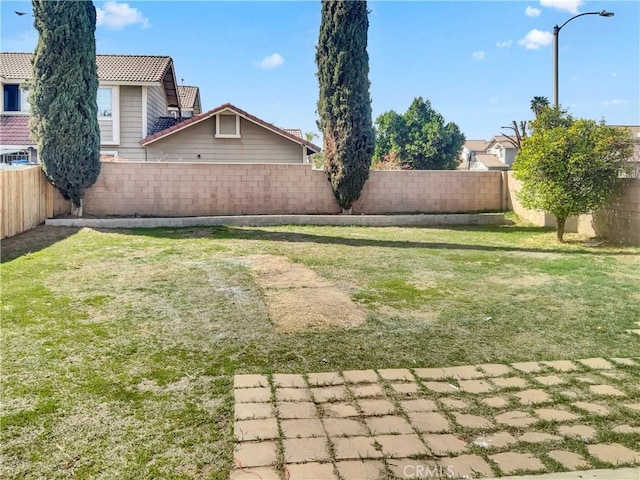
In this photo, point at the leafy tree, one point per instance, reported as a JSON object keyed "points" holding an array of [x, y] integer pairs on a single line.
{"points": [[538, 103], [344, 104], [419, 138], [63, 96], [570, 166]]}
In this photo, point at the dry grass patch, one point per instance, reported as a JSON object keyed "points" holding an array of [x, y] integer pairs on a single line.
{"points": [[298, 298]]}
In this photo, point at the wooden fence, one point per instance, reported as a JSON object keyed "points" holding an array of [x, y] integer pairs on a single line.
{"points": [[27, 200]]}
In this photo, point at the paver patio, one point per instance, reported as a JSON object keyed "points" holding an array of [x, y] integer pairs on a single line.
{"points": [[457, 422]]}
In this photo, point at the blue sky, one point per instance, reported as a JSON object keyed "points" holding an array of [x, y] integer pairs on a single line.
{"points": [[479, 62]]}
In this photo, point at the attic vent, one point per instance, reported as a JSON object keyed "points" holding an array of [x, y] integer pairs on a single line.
{"points": [[227, 126]]}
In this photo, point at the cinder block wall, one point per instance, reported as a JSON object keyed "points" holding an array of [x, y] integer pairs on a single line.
{"points": [[618, 222], [194, 189]]}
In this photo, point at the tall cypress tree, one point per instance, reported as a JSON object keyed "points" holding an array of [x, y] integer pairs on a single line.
{"points": [[63, 96], [344, 104]]}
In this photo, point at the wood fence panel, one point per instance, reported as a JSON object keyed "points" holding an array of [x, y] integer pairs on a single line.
{"points": [[27, 200]]}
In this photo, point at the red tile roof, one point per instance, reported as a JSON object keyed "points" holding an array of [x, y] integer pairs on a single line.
{"points": [[228, 106], [296, 132], [188, 96], [14, 130]]}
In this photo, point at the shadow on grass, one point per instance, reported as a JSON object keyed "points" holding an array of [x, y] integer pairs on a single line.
{"points": [[297, 237], [33, 240]]}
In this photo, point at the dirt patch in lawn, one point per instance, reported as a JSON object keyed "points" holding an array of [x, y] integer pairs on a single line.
{"points": [[524, 280], [298, 298]]}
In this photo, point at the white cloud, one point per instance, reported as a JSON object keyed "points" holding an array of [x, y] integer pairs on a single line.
{"points": [[536, 39], [505, 44], [532, 12], [614, 102], [478, 55], [271, 61], [119, 15], [571, 6]]}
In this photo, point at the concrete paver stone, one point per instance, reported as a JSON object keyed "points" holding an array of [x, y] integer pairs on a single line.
{"points": [[555, 415], [632, 406], [396, 374], [538, 437], [497, 440], [324, 379], [265, 473], [441, 387], [624, 361], [550, 380], [584, 432], [464, 466], [598, 363], [298, 450], [495, 369], [495, 402], [418, 405], [340, 427], [465, 372], [293, 395], [339, 410], [297, 410], [388, 424], [252, 395], [626, 429], [426, 422], [329, 394], [592, 408], [527, 367], [289, 380], [475, 386], [248, 381], [400, 446], [562, 365], [510, 382], [613, 453], [364, 391], [263, 429], [606, 390], [472, 421], [569, 460], [359, 470], [510, 462], [376, 407], [258, 454], [515, 418], [302, 427], [454, 403], [405, 388], [444, 443], [249, 411], [407, 468], [532, 396], [361, 376], [355, 448], [430, 373], [309, 471]]}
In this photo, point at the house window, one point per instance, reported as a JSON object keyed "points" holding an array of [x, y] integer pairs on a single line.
{"points": [[227, 126], [15, 99], [105, 102], [21, 156]]}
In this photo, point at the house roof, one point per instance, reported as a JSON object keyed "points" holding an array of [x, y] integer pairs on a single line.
{"points": [[231, 108], [475, 145], [188, 96], [294, 131], [491, 161], [111, 68], [14, 130]]}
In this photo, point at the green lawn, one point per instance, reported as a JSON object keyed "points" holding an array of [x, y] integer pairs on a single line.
{"points": [[119, 347]]}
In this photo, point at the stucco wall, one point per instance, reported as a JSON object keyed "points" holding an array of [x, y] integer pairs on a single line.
{"points": [[191, 189]]}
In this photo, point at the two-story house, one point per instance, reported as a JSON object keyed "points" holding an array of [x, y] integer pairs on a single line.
{"points": [[480, 155], [144, 115]]}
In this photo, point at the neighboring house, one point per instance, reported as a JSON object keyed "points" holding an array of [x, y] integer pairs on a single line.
{"points": [[480, 155], [134, 91], [227, 134], [634, 161], [16, 145], [189, 102]]}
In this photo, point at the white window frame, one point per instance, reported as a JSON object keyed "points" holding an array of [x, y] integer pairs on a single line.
{"points": [[25, 107], [227, 135], [115, 114]]}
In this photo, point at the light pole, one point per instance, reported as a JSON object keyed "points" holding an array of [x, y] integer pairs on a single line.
{"points": [[556, 31]]}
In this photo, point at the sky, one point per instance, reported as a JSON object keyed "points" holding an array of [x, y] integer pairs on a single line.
{"points": [[479, 63]]}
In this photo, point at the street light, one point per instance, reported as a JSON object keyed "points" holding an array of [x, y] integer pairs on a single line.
{"points": [[556, 31]]}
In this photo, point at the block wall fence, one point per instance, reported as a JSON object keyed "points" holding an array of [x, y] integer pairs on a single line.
{"points": [[202, 189]]}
